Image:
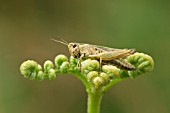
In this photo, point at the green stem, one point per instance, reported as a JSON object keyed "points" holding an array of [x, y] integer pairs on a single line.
{"points": [[94, 101], [81, 77], [107, 87]]}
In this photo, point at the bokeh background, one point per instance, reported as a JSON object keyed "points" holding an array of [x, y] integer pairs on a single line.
{"points": [[27, 25]]}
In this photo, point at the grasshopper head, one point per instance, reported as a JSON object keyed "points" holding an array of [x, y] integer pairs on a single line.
{"points": [[74, 49]]}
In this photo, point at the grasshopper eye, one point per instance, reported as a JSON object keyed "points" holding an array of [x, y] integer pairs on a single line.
{"points": [[74, 45]]}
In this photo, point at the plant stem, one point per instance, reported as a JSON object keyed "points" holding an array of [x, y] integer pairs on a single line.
{"points": [[94, 101], [81, 77], [113, 82]]}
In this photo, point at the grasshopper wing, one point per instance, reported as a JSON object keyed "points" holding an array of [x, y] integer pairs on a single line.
{"points": [[108, 49], [103, 48], [116, 54]]}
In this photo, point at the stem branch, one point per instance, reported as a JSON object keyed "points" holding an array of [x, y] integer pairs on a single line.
{"points": [[81, 77], [111, 84]]}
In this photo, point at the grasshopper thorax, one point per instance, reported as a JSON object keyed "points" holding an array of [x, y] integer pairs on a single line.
{"points": [[74, 49]]}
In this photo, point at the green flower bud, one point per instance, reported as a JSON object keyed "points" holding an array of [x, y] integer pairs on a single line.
{"points": [[40, 75], [39, 68], [33, 75], [51, 74], [30, 69], [124, 74], [89, 65], [143, 63], [133, 74], [106, 77], [98, 82], [48, 65], [60, 59], [73, 62], [64, 67], [91, 75], [112, 71]]}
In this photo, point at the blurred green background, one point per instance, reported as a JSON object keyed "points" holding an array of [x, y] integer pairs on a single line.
{"points": [[27, 25]]}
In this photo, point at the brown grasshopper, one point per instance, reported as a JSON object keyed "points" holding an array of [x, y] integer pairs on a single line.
{"points": [[105, 55]]}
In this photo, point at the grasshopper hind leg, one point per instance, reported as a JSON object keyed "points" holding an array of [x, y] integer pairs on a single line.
{"points": [[120, 63]]}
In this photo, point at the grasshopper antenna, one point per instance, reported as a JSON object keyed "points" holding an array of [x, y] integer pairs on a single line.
{"points": [[62, 39], [65, 43]]}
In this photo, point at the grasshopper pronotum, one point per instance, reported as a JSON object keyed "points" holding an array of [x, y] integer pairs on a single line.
{"points": [[105, 55]]}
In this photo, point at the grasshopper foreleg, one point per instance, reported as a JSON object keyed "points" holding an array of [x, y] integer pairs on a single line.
{"points": [[79, 60], [100, 64], [97, 57]]}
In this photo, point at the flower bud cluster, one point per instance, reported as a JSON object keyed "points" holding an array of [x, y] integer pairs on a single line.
{"points": [[98, 79], [62, 64], [142, 62], [49, 71], [96, 75], [32, 70], [102, 77]]}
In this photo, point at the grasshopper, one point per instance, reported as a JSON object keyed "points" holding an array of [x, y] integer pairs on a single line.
{"points": [[105, 55]]}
